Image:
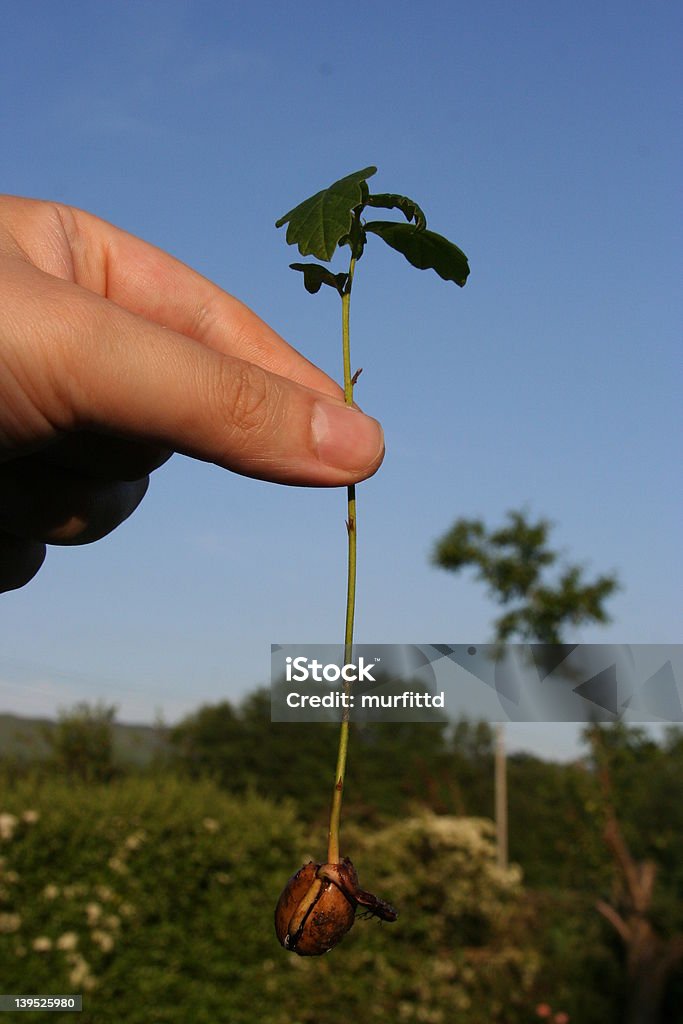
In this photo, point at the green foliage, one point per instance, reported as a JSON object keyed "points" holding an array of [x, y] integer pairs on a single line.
{"points": [[154, 897], [168, 885], [424, 249], [243, 751], [390, 767], [463, 927], [82, 744], [511, 561], [315, 276], [318, 224], [581, 974], [555, 809], [28, 742], [646, 788], [333, 217], [408, 207], [443, 870], [556, 826]]}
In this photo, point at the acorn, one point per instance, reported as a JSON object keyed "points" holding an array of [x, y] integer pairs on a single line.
{"points": [[317, 907]]}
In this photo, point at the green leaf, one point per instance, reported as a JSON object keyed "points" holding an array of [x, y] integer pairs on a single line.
{"points": [[424, 249], [316, 276], [408, 207], [317, 224]]}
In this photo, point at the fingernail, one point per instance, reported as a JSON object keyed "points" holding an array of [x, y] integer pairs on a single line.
{"points": [[345, 438]]}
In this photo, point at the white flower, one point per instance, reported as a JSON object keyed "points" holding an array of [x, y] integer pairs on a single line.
{"points": [[8, 823], [79, 975], [211, 825], [30, 817], [102, 939], [132, 842], [42, 944], [10, 923], [93, 912], [51, 892], [69, 940]]}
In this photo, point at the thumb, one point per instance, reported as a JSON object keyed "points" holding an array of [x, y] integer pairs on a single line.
{"points": [[130, 376]]}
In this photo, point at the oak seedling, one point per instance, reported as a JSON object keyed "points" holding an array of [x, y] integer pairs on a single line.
{"points": [[317, 906]]}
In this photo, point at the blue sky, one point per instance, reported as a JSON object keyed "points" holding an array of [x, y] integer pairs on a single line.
{"points": [[543, 140]]}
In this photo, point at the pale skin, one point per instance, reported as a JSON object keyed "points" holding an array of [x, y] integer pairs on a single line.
{"points": [[114, 355]]}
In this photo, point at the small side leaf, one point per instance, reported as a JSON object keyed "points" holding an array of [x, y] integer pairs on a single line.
{"points": [[408, 207], [317, 224], [315, 276], [424, 249]]}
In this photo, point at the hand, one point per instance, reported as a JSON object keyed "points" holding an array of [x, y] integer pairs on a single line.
{"points": [[112, 356]]}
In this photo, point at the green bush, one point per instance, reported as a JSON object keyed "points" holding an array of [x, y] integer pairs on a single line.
{"points": [[154, 898]]}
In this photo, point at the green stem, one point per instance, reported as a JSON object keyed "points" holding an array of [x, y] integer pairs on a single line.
{"points": [[333, 856]]}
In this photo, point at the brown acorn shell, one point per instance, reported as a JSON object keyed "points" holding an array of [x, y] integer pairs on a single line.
{"points": [[329, 918]]}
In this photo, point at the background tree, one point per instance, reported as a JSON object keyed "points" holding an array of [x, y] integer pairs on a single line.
{"points": [[82, 743], [513, 561], [642, 907], [393, 764], [639, 817]]}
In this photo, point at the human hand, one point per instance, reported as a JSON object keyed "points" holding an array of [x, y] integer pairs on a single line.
{"points": [[113, 355]]}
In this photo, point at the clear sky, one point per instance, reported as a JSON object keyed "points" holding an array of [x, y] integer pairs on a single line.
{"points": [[543, 140]]}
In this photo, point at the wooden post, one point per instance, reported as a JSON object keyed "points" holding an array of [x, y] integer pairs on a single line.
{"points": [[501, 798]]}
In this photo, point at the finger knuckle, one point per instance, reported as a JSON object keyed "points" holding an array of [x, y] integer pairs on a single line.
{"points": [[248, 398]]}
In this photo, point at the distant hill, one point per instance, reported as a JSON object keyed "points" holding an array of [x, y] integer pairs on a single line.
{"points": [[25, 738]]}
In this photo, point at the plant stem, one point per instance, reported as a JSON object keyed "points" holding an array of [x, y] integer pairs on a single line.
{"points": [[335, 812]]}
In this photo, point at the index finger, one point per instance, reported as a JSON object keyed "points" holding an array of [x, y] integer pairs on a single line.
{"points": [[148, 281]]}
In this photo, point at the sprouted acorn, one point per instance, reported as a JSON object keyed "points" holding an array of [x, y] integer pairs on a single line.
{"points": [[318, 907]]}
